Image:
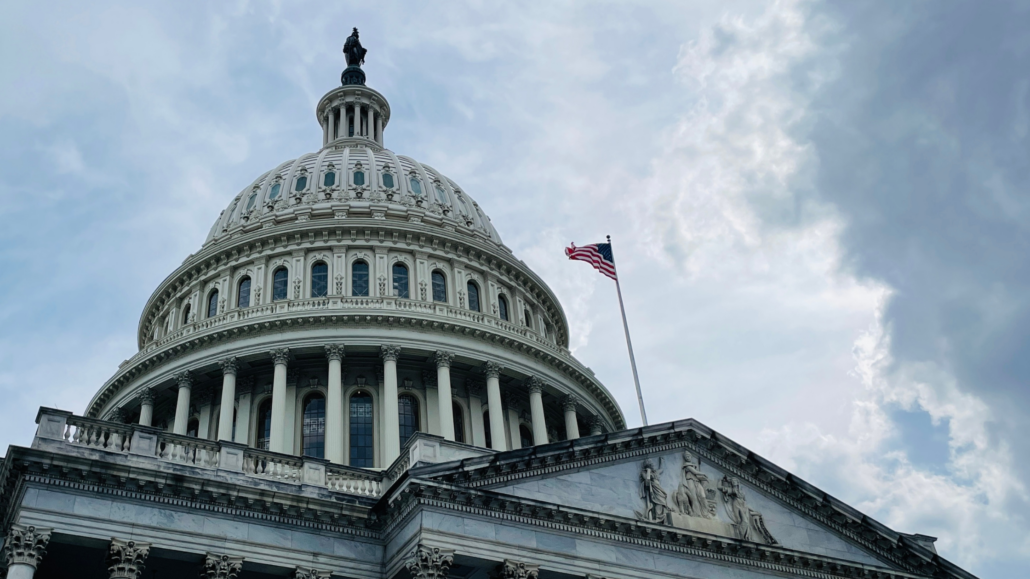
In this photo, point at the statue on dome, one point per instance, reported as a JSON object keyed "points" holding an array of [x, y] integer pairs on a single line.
{"points": [[353, 51]]}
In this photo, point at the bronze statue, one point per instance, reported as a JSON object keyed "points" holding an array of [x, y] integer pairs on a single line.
{"points": [[353, 51]]}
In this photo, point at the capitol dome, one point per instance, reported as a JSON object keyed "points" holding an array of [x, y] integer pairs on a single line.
{"points": [[345, 300]]}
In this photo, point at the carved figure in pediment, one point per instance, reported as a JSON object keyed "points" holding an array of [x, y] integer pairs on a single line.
{"points": [[748, 523], [656, 500], [691, 498]]}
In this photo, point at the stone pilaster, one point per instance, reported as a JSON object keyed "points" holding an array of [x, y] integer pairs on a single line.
{"points": [[125, 559], [24, 547], [221, 566], [429, 562]]}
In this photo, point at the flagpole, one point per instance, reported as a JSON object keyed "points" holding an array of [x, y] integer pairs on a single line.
{"points": [[629, 344]]}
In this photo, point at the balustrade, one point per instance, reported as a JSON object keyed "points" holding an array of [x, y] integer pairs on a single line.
{"points": [[187, 450], [270, 465], [98, 434], [353, 481]]}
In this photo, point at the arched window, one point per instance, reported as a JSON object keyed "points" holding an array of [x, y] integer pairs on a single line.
{"points": [[361, 430], [502, 307], [280, 284], [193, 427], [313, 428], [459, 423], [330, 178], [439, 287], [359, 279], [212, 304], [416, 187], [441, 196], [251, 200], [388, 180], [473, 296], [186, 314], [525, 436], [264, 424], [529, 319], [302, 183], [407, 408], [275, 191], [400, 281], [319, 280], [359, 177], [243, 293], [486, 428]]}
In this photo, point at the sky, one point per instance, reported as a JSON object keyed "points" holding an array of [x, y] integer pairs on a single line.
{"points": [[820, 210]]}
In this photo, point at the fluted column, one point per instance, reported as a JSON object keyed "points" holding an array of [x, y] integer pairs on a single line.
{"points": [[182, 405], [146, 407], [379, 129], [596, 426], [278, 427], [334, 405], [568, 404], [218, 566], [391, 422], [125, 559], [536, 411], [429, 562], [24, 548], [443, 385], [225, 415], [498, 440]]}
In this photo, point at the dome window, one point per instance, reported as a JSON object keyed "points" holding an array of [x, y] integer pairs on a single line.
{"points": [[473, 296], [529, 319], [243, 294], [359, 279], [313, 428], [400, 281], [302, 183], [212, 304], [459, 423], [407, 408], [186, 314], [280, 284], [441, 196], [359, 178], [361, 430], [416, 187], [439, 287], [250, 202], [264, 425], [330, 179], [502, 307], [319, 280], [275, 191], [388, 180]]}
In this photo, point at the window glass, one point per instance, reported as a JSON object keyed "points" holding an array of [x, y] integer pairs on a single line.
{"points": [[186, 314], [212, 304], [302, 183], [529, 319], [319, 280], [502, 307], [473, 297], [192, 427], [250, 202], [359, 177], [400, 281], [407, 407], [330, 179], [275, 191], [243, 295], [361, 430], [486, 427], [525, 436], [459, 423], [264, 425], [439, 287], [280, 284], [359, 279], [388, 180], [313, 428], [416, 187], [441, 196]]}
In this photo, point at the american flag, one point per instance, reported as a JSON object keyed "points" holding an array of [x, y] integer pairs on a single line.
{"points": [[598, 255]]}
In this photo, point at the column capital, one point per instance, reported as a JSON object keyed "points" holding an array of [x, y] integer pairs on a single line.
{"points": [[596, 425], [146, 396], [334, 352], [26, 545], [511, 569], [125, 559], [310, 573], [535, 385], [429, 562], [390, 353], [443, 359], [116, 415], [184, 380], [492, 369], [221, 566], [229, 365], [280, 356], [569, 402]]}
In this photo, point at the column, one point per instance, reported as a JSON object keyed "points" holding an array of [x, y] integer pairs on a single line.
{"points": [[244, 387], [218, 566], [202, 398], [513, 420], [182, 406], [379, 130], [571, 424], [357, 120], [225, 417], [443, 385], [146, 407], [391, 424], [476, 410], [536, 411], [493, 398], [596, 426], [125, 559], [278, 427], [370, 124], [334, 405], [326, 122], [426, 562], [24, 550], [290, 426], [432, 403]]}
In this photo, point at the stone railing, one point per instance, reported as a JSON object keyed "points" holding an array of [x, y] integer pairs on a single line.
{"points": [[354, 481], [271, 465], [187, 450], [98, 434]]}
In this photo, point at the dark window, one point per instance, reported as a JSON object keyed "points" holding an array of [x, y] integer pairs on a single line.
{"points": [[388, 180], [400, 281], [313, 428], [361, 430], [529, 318], [473, 297], [439, 287], [359, 178], [264, 424], [186, 314], [525, 436], [459, 423], [302, 183], [486, 427], [275, 191], [280, 284], [502, 307], [319, 280], [416, 187], [212, 304], [192, 427], [250, 202], [407, 407], [233, 435], [330, 179], [359, 279], [243, 294]]}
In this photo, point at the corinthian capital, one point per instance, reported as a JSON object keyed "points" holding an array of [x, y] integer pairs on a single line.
{"points": [[443, 359], [26, 545], [391, 353], [510, 569], [146, 396], [229, 365], [429, 562], [221, 566], [492, 369], [569, 403], [125, 559], [306, 573], [280, 355], [184, 380], [535, 385], [334, 352]]}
